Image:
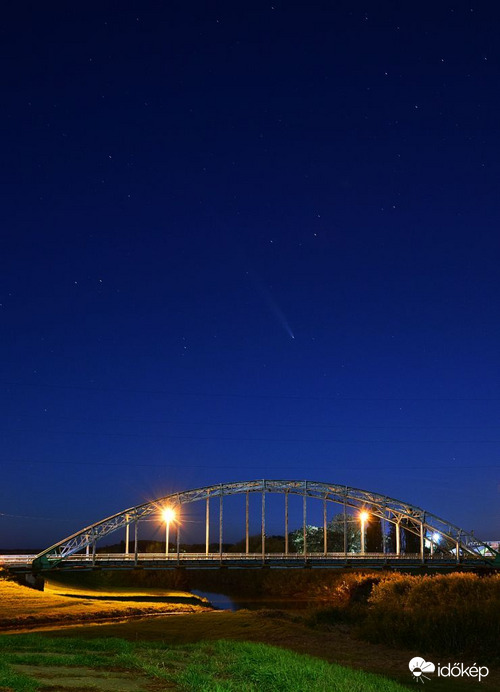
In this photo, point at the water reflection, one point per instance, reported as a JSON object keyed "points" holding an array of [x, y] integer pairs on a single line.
{"points": [[221, 601], [218, 600]]}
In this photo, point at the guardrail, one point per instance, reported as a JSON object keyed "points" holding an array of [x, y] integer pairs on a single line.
{"points": [[210, 557], [84, 560], [15, 559]]}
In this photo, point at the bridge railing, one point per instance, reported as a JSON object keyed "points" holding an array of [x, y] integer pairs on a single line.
{"points": [[15, 559], [211, 557]]}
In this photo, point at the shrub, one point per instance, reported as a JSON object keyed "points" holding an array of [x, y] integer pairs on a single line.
{"points": [[452, 613]]}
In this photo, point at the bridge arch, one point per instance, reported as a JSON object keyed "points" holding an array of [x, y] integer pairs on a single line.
{"points": [[436, 537]]}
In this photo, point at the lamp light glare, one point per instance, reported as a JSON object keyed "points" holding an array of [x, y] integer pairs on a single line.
{"points": [[168, 514]]}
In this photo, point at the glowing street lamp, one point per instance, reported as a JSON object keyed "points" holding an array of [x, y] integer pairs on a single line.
{"points": [[435, 538], [364, 516], [168, 515]]}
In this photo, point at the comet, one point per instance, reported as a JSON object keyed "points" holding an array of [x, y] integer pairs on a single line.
{"points": [[272, 305]]}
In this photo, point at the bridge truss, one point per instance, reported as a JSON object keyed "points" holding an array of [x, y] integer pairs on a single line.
{"points": [[437, 539]]}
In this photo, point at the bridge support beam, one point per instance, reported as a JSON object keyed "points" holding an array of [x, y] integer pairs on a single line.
{"points": [[178, 536], [286, 523], [383, 523], [220, 523], [422, 546], [207, 525], [398, 538], [263, 524], [304, 523], [325, 534], [127, 535], [247, 539], [136, 543], [345, 528]]}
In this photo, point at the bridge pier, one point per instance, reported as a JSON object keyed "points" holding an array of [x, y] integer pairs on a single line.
{"points": [[33, 581]]}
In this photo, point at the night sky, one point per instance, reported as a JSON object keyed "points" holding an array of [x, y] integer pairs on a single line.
{"points": [[248, 240]]}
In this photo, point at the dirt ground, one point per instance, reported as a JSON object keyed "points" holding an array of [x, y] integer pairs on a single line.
{"points": [[64, 612], [25, 608], [279, 629]]}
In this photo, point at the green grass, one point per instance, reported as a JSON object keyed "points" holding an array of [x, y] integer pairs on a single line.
{"points": [[10, 680], [219, 666], [35, 642], [247, 667]]}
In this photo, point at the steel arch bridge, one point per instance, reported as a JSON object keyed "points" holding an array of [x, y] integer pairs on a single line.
{"points": [[439, 543]]}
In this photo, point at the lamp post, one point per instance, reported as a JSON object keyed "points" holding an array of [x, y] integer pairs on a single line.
{"points": [[168, 516], [364, 516]]}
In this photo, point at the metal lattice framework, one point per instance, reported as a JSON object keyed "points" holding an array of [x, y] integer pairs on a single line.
{"points": [[435, 535]]}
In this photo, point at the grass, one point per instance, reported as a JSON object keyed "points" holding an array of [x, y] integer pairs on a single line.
{"points": [[218, 666], [247, 666], [17, 682], [454, 615], [23, 607]]}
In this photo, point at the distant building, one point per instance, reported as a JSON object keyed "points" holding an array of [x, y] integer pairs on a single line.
{"points": [[495, 545]]}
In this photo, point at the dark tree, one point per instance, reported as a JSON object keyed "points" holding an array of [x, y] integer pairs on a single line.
{"points": [[373, 540], [410, 541], [390, 538]]}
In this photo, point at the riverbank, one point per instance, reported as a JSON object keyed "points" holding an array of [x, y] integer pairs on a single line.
{"points": [[22, 608], [336, 644], [330, 632], [116, 665], [242, 584]]}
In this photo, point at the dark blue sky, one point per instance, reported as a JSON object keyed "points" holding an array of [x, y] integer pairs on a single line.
{"points": [[185, 188]]}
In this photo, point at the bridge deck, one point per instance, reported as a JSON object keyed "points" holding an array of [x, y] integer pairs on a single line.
{"points": [[239, 561]]}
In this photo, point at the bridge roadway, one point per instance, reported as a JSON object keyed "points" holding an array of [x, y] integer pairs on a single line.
{"points": [[120, 561]]}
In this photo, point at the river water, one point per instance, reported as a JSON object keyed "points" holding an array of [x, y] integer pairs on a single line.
{"points": [[221, 601]]}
